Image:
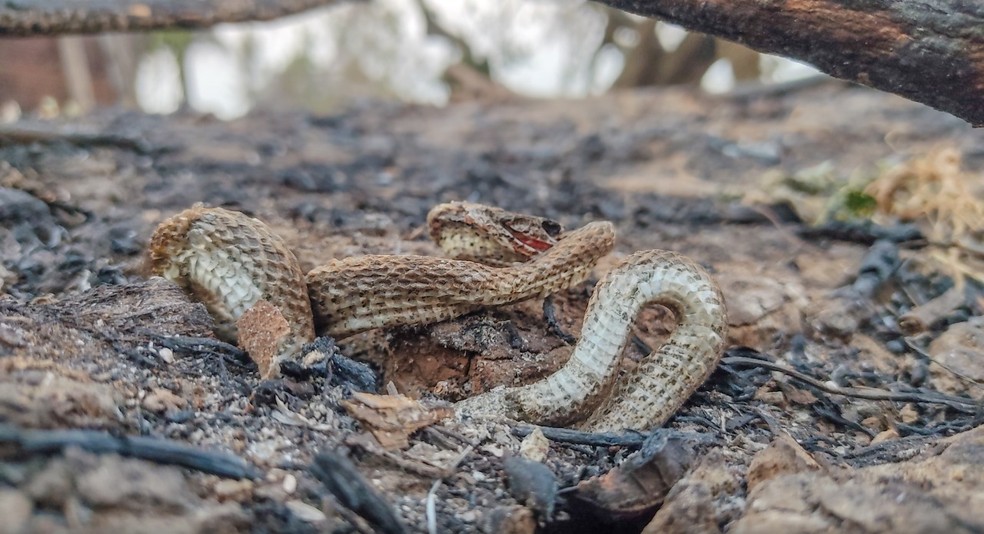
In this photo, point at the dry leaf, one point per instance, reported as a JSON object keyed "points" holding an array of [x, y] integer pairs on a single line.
{"points": [[392, 418]]}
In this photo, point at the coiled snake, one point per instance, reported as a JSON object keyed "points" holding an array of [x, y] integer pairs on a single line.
{"points": [[232, 262]]}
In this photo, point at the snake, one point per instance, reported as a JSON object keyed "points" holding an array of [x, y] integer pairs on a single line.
{"points": [[234, 263]]}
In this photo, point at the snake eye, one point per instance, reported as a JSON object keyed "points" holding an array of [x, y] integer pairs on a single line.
{"points": [[552, 228]]}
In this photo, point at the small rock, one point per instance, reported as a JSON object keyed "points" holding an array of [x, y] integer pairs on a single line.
{"points": [[117, 482], [235, 490], [51, 487], [9, 334], [290, 483], [494, 450], [161, 400], [835, 319], [532, 484], [782, 456], [760, 296], [58, 401], [535, 446], [940, 491], [15, 509], [909, 414], [688, 509], [166, 354], [960, 354], [767, 395], [273, 492], [227, 517], [885, 435], [510, 520], [18, 206], [798, 396], [305, 512], [874, 422]]}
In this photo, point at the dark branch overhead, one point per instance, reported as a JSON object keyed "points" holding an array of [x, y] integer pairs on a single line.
{"points": [[930, 51], [21, 18]]}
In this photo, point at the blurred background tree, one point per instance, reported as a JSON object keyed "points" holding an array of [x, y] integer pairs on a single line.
{"points": [[423, 51]]}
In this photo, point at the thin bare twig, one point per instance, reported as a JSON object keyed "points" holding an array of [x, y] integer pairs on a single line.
{"points": [[961, 404], [628, 438], [969, 379], [432, 507]]}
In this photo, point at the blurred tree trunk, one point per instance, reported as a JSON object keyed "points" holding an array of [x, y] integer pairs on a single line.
{"points": [[648, 63], [75, 69], [689, 62], [470, 79], [642, 60], [744, 60], [122, 53], [931, 51], [70, 70]]}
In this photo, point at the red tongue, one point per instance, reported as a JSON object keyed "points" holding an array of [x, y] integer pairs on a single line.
{"points": [[531, 241]]}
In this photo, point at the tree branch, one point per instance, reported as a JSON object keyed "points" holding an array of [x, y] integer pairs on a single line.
{"points": [[19, 18], [930, 51]]}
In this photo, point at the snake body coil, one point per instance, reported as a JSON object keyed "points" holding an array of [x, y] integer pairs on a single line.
{"points": [[231, 262], [663, 380]]}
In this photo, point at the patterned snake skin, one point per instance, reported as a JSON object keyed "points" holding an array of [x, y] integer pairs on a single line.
{"points": [[230, 262]]}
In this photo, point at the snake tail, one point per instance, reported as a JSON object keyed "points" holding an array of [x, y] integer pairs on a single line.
{"points": [[665, 378]]}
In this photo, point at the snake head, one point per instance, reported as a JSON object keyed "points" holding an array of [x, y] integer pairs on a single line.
{"points": [[494, 236]]}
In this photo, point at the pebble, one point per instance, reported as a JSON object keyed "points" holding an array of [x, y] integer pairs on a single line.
{"points": [[305, 512], [290, 483], [15, 509], [166, 354]]}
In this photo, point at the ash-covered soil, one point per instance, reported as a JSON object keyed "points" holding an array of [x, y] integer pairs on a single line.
{"points": [[88, 343]]}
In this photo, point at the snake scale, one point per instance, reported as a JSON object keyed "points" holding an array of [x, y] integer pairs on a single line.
{"points": [[231, 262]]}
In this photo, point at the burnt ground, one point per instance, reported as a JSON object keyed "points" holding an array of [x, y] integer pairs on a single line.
{"points": [[88, 343]]}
